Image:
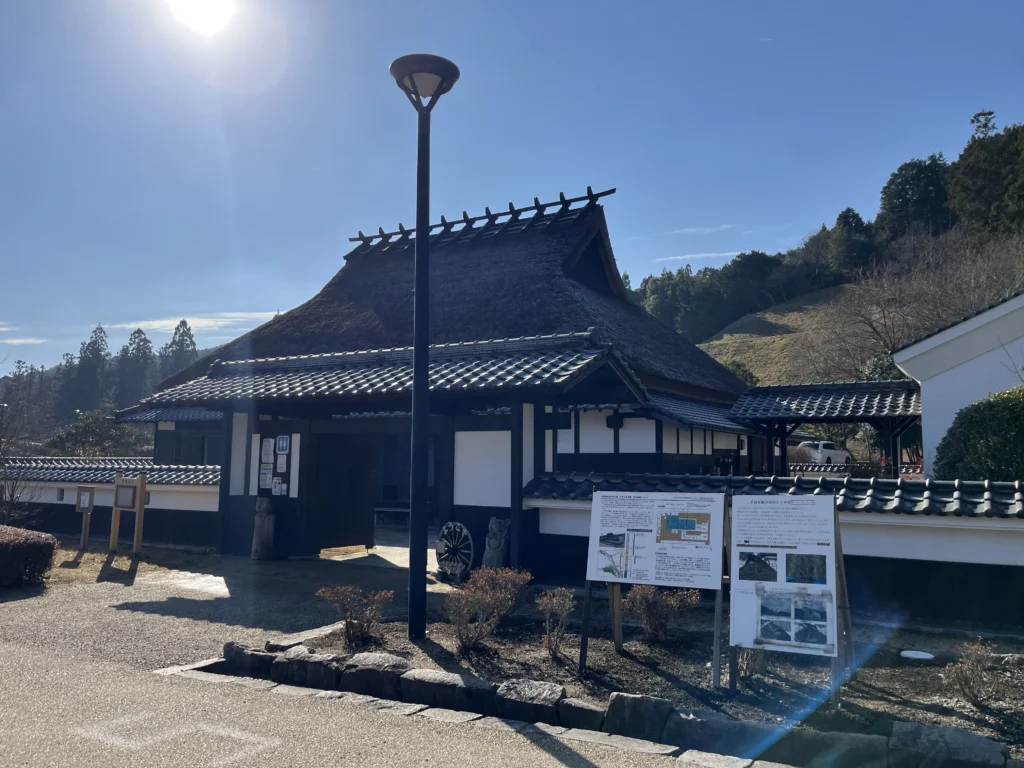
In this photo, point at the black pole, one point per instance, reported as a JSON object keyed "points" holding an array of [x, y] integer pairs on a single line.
{"points": [[420, 390]]}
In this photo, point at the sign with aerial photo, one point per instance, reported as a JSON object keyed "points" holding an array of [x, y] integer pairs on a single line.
{"points": [[662, 539], [783, 574]]}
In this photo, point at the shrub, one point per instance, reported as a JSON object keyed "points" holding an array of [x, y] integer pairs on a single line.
{"points": [[985, 440], [360, 612], [655, 607], [556, 605], [25, 556], [970, 677], [476, 609]]}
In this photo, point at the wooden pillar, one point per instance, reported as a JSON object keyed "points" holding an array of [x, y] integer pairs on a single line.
{"points": [[224, 491], [115, 514], [783, 450], [540, 422], [516, 554], [770, 449], [140, 514]]}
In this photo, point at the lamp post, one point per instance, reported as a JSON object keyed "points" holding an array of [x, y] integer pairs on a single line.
{"points": [[424, 79]]}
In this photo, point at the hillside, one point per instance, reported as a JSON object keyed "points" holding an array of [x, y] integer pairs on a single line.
{"points": [[775, 343]]}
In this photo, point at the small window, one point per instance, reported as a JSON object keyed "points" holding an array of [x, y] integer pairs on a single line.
{"points": [[829, 446], [60, 494]]}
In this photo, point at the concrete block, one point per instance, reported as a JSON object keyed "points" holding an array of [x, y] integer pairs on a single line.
{"points": [[579, 713], [449, 691], [531, 700], [915, 745], [638, 717]]}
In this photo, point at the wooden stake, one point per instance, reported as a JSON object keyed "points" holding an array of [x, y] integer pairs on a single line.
{"points": [[615, 605], [86, 520], [716, 659], [115, 514], [585, 631]]}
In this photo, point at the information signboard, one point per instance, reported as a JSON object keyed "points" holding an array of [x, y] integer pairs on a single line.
{"points": [[783, 589], [662, 539]]}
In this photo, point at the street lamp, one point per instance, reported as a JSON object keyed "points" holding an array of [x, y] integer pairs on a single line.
{"points": [[424, 79]]}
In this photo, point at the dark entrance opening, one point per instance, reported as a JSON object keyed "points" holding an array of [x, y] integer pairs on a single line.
{"points": [[346, 484]]}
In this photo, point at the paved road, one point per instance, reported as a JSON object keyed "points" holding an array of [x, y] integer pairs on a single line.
{"points": [[58, 709]]}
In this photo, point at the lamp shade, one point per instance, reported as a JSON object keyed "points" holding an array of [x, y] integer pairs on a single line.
{"points": [[424, 75]]}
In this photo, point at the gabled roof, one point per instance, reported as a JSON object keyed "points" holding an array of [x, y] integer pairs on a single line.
{"points": [[910, 497], [99, 471], [849, 401], [964, 319], [556, 362], [541, 270]]}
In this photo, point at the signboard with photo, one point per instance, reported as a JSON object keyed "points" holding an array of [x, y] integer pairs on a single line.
{"points": [[662, 539], [783, 574]]}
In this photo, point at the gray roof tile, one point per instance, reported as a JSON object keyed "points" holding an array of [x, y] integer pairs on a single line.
{"points": [[850, 401], [100, 471], [697, 413], [911, 497], [141, 415]]}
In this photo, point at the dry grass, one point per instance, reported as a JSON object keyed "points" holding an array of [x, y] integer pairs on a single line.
{"points": [[771, 342]]}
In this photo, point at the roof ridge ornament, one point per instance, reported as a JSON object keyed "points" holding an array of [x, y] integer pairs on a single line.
{"points": [[513, 214]]}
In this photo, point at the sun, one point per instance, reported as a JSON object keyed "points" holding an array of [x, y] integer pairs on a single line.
{"points": [[207, 17]]}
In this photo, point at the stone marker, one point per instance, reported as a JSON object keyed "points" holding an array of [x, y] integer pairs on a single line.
{"points": [[449, 691], [375, 674], [282, 643], [915, 744], [619, 742], [531, 700], [247, 661], [448, 715], [579, 713], [639, 717], [693, 758]]}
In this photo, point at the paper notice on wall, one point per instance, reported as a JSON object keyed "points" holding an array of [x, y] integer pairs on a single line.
{"points": [[266, 476], [282, 463], [783, 571], [664, 539], [267, 450], [276, 487]]}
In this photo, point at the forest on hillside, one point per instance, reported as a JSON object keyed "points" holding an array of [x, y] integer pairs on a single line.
{"points": [[948, 240], [63, 410]]}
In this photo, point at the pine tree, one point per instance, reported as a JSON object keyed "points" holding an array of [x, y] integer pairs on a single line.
{"points": [[179, 352], [91, 375]]}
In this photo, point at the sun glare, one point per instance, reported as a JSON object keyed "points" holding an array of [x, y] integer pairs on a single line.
{"points": [[207, 17]]}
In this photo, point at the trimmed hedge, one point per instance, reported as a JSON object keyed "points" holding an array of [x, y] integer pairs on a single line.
{"points": [[985, 440], [25, 556]]}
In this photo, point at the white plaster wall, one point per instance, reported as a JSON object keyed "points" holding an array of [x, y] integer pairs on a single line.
{"points": [[200, 498], [942, 539], [566, 438], [483, 468], [668, 439], [239, 428], [637, 436], [724, 441], [685, 440], [942, 396], [595, 437]]}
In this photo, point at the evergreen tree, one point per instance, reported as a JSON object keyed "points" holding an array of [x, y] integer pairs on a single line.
{"points": [[987, 180], [850, 248], [90, 388], [179, 352], [64, 385], [133, 370], [914, 200]]}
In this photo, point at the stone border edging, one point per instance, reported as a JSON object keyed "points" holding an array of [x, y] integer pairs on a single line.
{"points": [[653, 722]]}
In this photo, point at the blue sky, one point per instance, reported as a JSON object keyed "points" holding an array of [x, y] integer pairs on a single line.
{"points": [[148, 173]]}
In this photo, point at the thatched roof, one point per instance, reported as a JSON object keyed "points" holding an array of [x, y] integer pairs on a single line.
{"points": [[550, 273]]}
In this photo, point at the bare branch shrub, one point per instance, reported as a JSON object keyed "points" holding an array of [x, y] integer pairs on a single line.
{"points": [[556, 605], [656, 607], [478, 607], [970, 676], [360, 612]]}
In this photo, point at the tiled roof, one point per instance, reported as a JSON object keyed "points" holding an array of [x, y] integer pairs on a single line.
{"points": [[847, 469], [911, 497], [850, 401], [697, 413], [141, 415], [555, 361], [98, 471], [947, 326]]}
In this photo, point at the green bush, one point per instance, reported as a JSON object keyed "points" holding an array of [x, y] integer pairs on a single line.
{"points": [[25, 556], [985, 440]]}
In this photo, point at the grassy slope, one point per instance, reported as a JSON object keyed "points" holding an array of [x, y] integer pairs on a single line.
{"points": [[768, 342]]}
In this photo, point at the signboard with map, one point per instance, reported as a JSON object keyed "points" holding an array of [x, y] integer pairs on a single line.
{"points": [[663, 539]]}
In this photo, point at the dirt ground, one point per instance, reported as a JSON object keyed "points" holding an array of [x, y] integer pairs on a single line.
{"points": [[794, 689]]}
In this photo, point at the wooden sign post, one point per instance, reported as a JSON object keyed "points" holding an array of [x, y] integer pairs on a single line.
{"points": [[85, 495], [129, 496]]}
